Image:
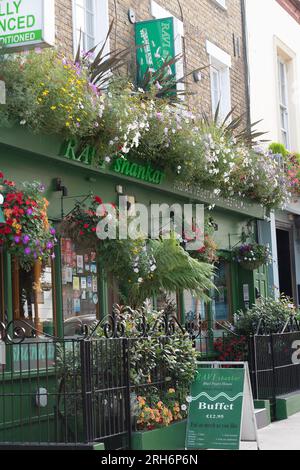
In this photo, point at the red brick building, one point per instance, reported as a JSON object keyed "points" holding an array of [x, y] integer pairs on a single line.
{"points": [[208, 32]]}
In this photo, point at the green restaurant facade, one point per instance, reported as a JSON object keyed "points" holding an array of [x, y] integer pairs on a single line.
{"points": [[28, 157]]}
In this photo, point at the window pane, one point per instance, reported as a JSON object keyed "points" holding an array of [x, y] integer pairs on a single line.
{"points": [[220, 297], [33, 298], [90, 24], [80, 19], [194, 307], [90, 5], [215, 84], [80, 285], [164, 299]]}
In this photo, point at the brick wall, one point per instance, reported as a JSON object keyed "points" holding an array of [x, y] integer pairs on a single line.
{"points": [[202, 19]]}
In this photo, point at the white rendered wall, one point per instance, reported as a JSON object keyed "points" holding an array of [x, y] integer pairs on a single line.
{"points": [[269, 24]]}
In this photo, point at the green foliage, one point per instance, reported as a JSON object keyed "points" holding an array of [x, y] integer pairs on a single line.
{"points": [[271, 314], [174, 354], [278, 148], [51, 95], [175, 270]]}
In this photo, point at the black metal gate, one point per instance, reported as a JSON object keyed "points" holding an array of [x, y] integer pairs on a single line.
{"points": [[275, 365]]}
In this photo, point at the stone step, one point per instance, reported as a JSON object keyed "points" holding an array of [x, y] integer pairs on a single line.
{"points": [[262, 418]]}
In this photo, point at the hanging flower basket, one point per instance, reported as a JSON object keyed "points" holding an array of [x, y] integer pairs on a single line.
{"points": [[26, 233], [81, 224], [252, 256]]}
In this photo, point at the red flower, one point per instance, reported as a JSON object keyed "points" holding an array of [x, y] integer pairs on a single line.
{"points": [[86, 226], [1, 175], [9, 183], [98, 199], [94, 229]]}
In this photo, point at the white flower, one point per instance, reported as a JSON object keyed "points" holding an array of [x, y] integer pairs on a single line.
{"points": [[23, 122], [140, 280], [107, 159], [183, 407]]}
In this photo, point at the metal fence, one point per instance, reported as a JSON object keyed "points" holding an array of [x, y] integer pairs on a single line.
{"points": [[275, 365], [84, 389], [81, 390]]}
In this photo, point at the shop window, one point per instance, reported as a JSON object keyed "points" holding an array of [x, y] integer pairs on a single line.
{"points": [[221, 299], [165, 298], [33, 304], [194, 308], [113, 292], [90, 23], [79, 284]]}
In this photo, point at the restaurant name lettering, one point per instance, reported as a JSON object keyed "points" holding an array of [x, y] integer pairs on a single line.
{"points": [[88, 155]]}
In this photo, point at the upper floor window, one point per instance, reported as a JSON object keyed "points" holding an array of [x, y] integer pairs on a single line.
{"points": [[283, 102], [90, 17], [221, 3], [220, 63], [159, 12]]}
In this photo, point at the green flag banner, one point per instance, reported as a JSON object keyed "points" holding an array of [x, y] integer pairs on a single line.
{"points": [[215, 409], [155, 39]]}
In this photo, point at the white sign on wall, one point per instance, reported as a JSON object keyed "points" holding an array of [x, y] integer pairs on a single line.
{"points": [[26, 23]]}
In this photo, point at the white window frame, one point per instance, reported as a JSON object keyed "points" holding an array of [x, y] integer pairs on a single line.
{"points": [[101, 25], [221, 3], [159, 12], [220, 63], [284, 103]]}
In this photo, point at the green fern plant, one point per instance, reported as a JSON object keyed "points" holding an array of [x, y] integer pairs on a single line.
{"points": [[175, 270]]}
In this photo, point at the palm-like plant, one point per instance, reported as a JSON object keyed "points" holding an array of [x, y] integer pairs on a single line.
{"points": [[232, 126], [175, 270]]}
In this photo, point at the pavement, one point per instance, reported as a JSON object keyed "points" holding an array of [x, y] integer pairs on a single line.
{"points": [[281, 435]]}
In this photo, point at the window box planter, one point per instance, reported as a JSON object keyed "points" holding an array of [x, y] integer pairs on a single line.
{"points": [[169, 438]]}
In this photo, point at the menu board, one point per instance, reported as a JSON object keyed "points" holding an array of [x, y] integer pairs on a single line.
{"points": [[79, 279]]}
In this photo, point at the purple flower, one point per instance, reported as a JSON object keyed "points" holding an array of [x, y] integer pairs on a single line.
{"points": [[42, 188], [94, 88], [52, 231], [37, 242], [29, 211], [49, 246], [27, 251], [17, 239], [35, 255], [26, 239]]}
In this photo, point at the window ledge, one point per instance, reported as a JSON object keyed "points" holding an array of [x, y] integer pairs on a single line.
{"points": [[221, 4]]}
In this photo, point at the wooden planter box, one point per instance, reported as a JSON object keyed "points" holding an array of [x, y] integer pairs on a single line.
{"points": [[169, 438]]}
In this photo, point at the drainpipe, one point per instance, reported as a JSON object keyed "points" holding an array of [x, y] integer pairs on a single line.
{"points": [[246, 62]]}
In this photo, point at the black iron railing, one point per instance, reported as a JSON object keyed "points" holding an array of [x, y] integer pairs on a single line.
{"points": [[275, 365]]}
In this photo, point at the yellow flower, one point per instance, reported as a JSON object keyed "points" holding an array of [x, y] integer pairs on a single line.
{"points": [[45, 92], [171, 391], [68, 124], [53, 108]]}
